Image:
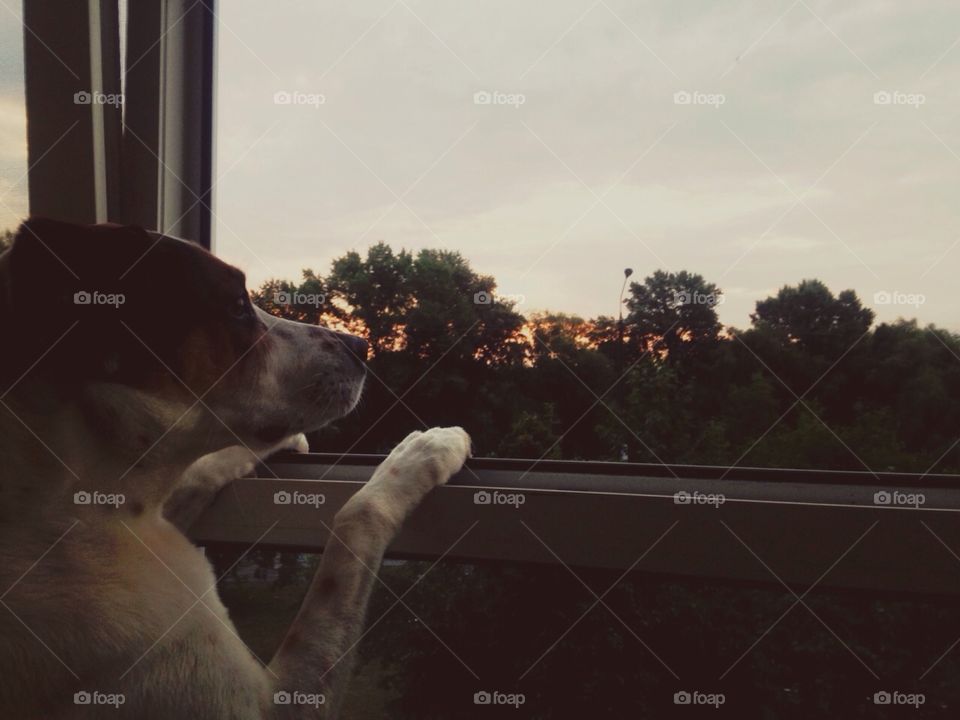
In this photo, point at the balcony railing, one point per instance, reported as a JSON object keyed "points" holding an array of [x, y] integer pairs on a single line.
{"points": [[885, 532]]}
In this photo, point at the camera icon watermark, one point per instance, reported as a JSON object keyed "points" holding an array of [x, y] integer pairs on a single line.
{"points": [[895, 297], [85, 97], [485, 297], [285, 697], [695, 297], [495, 97], [84, 497], [683, 497], [296, 97], [695, 697], [299, 299], [95, 297], [286, 497], [95, 697], [696, 97], [495, 497], [896, 97], [495, 697], [897, 498], [895, 697]]}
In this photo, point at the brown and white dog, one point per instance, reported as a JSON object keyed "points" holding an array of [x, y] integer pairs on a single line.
{"points": [[135, 374]]}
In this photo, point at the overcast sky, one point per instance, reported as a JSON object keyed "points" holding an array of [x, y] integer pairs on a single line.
{"points": [[784, 165], [13, 126]]}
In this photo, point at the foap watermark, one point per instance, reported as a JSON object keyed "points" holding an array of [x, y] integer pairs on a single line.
{"points": [[285, 697], [83, 497], [496, 697], [895, 697], [486, 497], [96, 97], [299, 299], [683, 497], [897, 97], [95, 297], [895, 297], [285, 497], [488, 298], [896, 498], [297, 97], [95, 697], [695, 297], [696, 97], [495, 97], [695, 697]]}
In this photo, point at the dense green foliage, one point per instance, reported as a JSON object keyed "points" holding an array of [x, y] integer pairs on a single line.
{"points": [[811, 383]]}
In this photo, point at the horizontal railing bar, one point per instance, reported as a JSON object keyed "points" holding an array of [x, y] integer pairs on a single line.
{"points": [[606, 520], [545, 469]]}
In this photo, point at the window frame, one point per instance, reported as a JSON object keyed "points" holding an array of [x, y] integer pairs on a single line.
{"points": [[152, 164], [147, 161]]}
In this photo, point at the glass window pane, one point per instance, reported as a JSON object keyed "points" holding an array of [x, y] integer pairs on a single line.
{"points": [[778, 183], [13, 122]]}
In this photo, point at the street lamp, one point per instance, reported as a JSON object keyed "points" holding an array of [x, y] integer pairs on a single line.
{"points": [[627, 272]]}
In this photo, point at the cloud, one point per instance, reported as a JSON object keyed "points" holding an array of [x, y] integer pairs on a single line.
{"points": [[796, 174]]}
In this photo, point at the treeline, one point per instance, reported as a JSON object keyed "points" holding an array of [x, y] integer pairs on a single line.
{"points": [[811, 383]]}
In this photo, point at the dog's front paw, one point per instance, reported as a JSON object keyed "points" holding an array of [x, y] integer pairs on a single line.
{"points": [[416, 466], [432, 456], [296, 443]]}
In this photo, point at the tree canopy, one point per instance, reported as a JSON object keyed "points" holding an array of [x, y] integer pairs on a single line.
{"points": [[811, 383]]}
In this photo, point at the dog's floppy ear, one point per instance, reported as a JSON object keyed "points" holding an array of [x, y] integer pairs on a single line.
{"points": [[61, 253], [47, 283]]}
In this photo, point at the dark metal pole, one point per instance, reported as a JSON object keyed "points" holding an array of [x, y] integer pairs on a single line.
{"points": [[627, 272]]}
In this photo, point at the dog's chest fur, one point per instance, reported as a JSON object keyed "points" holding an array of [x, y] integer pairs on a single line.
{"points": [[141, 601]]}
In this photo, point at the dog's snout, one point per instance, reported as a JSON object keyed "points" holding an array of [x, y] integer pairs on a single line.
{"points": [[356, 346]]}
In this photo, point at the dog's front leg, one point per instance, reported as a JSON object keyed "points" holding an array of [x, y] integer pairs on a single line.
{"points": [[315, 656], [202, 480]]}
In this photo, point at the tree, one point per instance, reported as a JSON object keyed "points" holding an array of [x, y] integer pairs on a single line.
{"points": [[532, 435], [673, 312], [810, 316], [449, 351], [455, 311], [307, 302], [569, 375], [376, 291], [435, 325], [604, 335], [558, 335]]}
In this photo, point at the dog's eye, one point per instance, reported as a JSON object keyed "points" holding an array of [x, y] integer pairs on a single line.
{"points": [[240, 309]]}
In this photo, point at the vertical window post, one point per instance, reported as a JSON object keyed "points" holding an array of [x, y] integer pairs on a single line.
{"points": [[144, 157]]}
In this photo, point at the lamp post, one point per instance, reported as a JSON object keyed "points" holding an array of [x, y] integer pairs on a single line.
{"points": [[627, 272]]}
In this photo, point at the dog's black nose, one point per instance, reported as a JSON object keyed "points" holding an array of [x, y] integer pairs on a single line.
{"points": [[356, 346]]}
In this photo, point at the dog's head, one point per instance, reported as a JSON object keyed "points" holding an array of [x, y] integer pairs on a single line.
{"points": [[156, 341]]}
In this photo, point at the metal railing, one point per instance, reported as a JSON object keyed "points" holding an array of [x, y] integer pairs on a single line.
{"points": [[884, 532]]}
